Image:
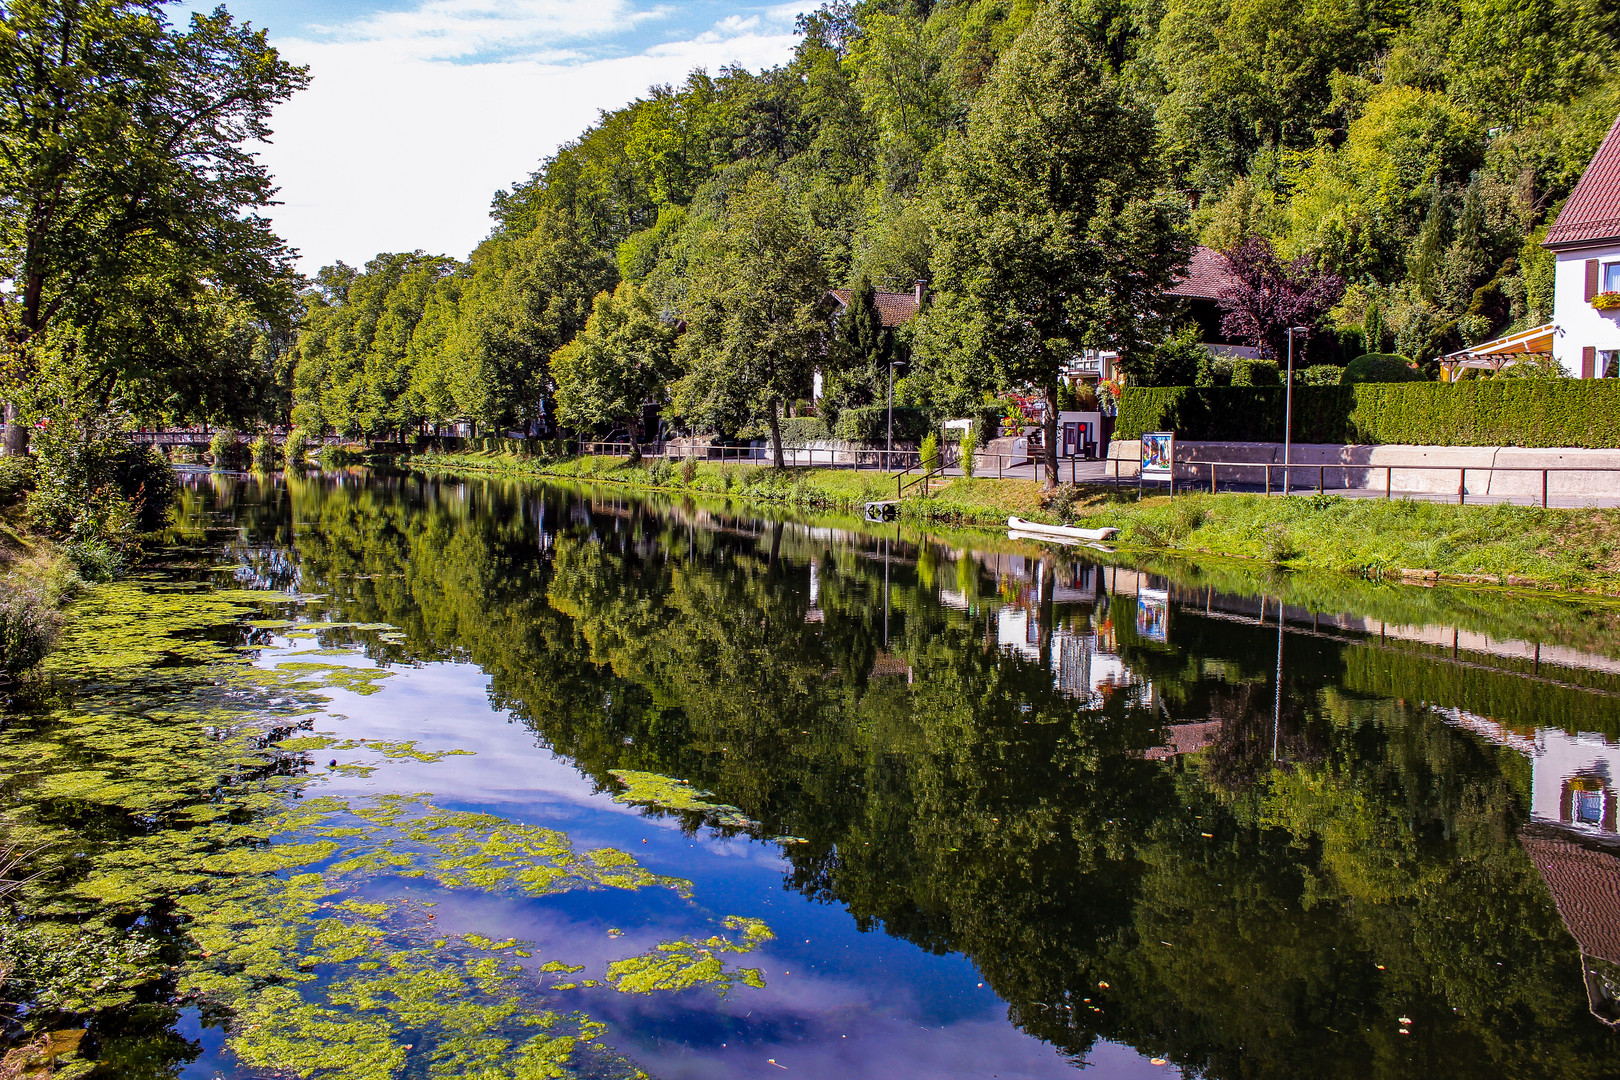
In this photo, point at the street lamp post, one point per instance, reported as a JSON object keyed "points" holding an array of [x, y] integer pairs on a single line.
{"points": [[888, 454], [1288, 408]]}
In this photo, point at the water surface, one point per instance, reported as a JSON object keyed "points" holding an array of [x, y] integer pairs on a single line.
{"points": [[887, 804]]}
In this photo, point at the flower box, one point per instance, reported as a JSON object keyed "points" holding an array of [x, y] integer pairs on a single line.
{"points": [[1606, 301]]}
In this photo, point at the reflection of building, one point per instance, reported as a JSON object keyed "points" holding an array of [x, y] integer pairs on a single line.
{"points": [[1186, 739], [1573, 841], [1584, 880]]}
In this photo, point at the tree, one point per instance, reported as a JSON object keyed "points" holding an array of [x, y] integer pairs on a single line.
{"points": [[131, 197], [1052, 233], [1271, 296], [622, 361], [755, 331], [859, 356]]}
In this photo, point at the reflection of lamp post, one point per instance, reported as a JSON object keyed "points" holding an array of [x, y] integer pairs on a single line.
{"points": [[1288, 407]]}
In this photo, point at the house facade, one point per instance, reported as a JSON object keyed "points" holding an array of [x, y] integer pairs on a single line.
{"points": [[1585, 240]]}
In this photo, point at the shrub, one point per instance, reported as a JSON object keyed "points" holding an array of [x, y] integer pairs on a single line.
{"points": [[970, 447], [296, 452], [798, 430], [660, 471], [16, 478], [1382, 368], [1060, 501], [226, 451], [870, 424], [28, 628], [930, 453], [689, 469], [1319, 375], [264, 453], [143, 474], [1278, 543], [1255, 372]]}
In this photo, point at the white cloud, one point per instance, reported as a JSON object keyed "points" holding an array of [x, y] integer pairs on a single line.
{"points": [[401, 141]]}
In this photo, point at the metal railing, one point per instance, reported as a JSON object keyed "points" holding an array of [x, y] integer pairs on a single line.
{"points": [[1322, 470]]}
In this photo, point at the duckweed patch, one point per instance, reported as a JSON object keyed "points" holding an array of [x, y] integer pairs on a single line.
{"points": [[184, 859]]}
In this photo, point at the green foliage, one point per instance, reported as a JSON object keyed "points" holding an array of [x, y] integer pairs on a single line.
{"points": [[226, 450], [1319, 375], [296, 450], [345, 455], [870, 425], [16, 478], [1488, 412], [970, 449], [1381, 368], [132, 224], [264, 453], [1174, 361], [623, 361], [31, 597], [929, 452], [754, 328]]}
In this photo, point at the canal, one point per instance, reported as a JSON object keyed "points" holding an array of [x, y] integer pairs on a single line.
{"points": [[401, 776]]}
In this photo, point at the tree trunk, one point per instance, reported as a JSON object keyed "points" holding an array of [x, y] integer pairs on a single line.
{"points": [[635, 442], [776, 437], [1051, 430], [15, 442]]}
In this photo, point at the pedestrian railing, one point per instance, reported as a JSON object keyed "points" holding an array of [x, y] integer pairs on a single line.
{"points": [[1285, 476]]}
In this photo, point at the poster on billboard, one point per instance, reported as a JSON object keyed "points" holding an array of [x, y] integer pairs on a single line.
{"points": [[1158, 453]]}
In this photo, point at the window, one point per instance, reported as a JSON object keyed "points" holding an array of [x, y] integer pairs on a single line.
{"points": [[1609, 362], [1589, 807], [1611, 277]]}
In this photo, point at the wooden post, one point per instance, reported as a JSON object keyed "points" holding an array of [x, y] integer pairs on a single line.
{"points": [[1389, 483], [1268, 478], [1462, 486], [1543, 493], [1212, 478], [1321, 479]]}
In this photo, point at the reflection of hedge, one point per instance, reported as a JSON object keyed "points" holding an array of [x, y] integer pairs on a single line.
{"points": [[871, 424], [1487, 412]]}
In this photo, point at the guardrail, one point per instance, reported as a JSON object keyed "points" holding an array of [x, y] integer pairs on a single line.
{"points": [[1288, 487]]}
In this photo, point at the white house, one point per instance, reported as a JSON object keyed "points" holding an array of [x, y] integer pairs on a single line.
{"points": [[1586, 241]]}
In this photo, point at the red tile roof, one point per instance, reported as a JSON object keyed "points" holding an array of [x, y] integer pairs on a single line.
{"points": [[1592, 214], [894, 308], [1208, 276], [1585, 885]]}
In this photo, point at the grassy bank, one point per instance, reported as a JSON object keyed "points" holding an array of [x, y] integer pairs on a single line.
{"points": [[1576, 550]]}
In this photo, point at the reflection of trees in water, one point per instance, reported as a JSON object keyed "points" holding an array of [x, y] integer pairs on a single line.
{"points": [[1254, 740], [1238, 912]]}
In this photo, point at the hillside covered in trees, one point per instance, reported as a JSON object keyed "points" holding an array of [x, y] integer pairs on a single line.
{"points": [[1417, 150]]}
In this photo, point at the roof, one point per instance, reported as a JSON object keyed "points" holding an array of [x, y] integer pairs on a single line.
{"points": [[894, 308], [1208, 276], [1537, 341], [1186, 739], [1585, 886], [1592, 214]]}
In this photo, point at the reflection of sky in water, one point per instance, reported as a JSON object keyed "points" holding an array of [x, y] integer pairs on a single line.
{"points": [[838, 1003]]}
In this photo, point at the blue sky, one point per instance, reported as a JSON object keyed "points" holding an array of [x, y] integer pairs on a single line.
{"points": [[420, 109]]}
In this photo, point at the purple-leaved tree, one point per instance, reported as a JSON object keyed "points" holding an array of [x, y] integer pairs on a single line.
{"points": [[1270, 296]]}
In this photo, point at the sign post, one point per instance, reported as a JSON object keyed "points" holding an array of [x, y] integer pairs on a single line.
{"points": [[1158, 458]]}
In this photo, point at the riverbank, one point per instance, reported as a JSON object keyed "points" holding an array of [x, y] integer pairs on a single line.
{"points": [[1527, 547]]}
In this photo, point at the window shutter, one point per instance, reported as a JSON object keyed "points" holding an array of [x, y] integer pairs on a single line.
{"points": [[1591, 279], [1588, 361]]}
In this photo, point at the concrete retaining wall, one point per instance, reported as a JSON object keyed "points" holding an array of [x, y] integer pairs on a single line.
{"points": [[1372, 467]]}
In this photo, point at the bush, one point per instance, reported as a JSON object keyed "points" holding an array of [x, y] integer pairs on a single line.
{"points": [[144, 475], [264, 453], [970, 447], [296, 452], [226, 451], [689, 471], [16, 478], [1488, 412], [870, 424], [930, 453], [1382, 368], [31, 597], [798, 430], [1319, 375], [660, 471]]}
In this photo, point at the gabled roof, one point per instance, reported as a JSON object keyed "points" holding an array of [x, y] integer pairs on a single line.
{"points": [[1585, 885], [894, 308], [1208, 276], [1592, 214]]}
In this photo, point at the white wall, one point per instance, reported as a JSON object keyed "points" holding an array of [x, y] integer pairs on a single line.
{"points": [[1581, 324]]}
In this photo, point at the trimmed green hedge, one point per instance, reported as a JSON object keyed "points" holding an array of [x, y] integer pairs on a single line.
{"points": [[1487, 412], [870, 424]]}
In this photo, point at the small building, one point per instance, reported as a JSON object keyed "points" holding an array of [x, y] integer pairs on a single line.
{"points": [[894, 309], [1586, 242]]}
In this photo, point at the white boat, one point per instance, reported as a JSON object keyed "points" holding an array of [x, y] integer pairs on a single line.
{"points": [[1060, 532]]}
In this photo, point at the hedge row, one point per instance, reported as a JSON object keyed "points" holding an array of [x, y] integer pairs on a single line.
{"points": [[870, 424], [1489, 412]]}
